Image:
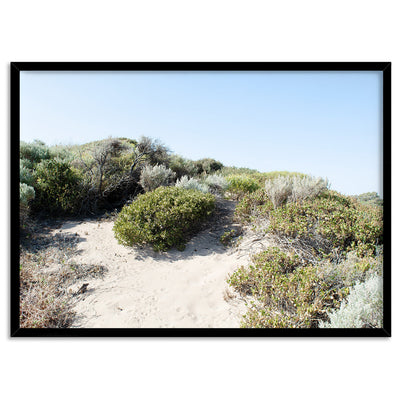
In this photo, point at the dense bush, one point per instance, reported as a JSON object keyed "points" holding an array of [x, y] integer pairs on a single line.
{"points": [[330, 216], [163, 218], [355, 267], [34, 152], [363, 308], [26, 193], [294, 188], [370, 198], [226, 171], [191, 183], [58, 188], [337, 242], [240, 185], [182, 166], [286, 293], [61, 152], [217, 183], [307, 187], [208, 166], [253, 205], [155, 176], [25, 174]]}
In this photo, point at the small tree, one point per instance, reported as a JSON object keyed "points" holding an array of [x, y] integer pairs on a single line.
{"points": [[151, 151]]}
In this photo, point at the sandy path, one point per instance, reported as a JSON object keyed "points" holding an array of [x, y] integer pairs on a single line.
{"points": [[143, 288]]}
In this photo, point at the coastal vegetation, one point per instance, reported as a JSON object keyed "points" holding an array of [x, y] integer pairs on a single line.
{"points": [[323, 269]]}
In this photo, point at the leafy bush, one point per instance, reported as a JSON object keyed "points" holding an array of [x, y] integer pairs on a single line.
{"points": [[253, 205], [208, 166], [192, 183], [61, 152], [240, 185], [216, 183], [25, 174], [332, 217], [155, 176], [34, 152], [286, 293], [26, 193], [163, 218], [353, 268], [226, 171], [227, 237], [363, 308], [370, 198], [182, 166], [57, 187]]}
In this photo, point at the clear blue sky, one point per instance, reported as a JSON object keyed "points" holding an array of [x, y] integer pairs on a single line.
{"points": [[326, 124]]}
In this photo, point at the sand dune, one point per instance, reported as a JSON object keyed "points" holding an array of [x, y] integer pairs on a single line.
{"points": [[146, 289]]}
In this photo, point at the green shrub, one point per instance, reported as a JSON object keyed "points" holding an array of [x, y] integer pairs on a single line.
{"points": [[227, 237], [370, 198], [226, 171], [57, 187], [332, 217], [163, 218], [182, 166], [363, 308], [61, 152], [286, 293], [253, 205], [26, 174], [192, 183], [208, 166], [240, 185], [34, 152], [155, 176]]}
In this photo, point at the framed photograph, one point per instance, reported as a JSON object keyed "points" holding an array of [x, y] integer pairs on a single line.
{"points": [[200, 199]]}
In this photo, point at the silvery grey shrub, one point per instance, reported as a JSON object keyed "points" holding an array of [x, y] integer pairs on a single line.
{"points": [[307, 187], [279, 189], [217, 183], [362, 308], [26, 193], [294, 189], [155, 176], [191, 183]]}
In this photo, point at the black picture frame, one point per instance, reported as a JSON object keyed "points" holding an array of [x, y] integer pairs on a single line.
{"points": [[17, 67]]}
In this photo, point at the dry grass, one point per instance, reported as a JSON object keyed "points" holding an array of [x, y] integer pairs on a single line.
{"points": [[46, 272]]}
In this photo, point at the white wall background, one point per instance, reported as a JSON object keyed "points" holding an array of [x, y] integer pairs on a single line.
{"points": [[207, 30]]}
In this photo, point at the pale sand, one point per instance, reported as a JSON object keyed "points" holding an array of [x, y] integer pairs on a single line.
{"points": [[146, 289]]}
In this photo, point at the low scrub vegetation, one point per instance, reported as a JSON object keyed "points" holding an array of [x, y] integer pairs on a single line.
{"points": [[191, 183], [163, 218], [325, 264], [155, 176], [328, 243], [240, 185], [361, 309], [46, 272], [295, 189], [217, 183]]}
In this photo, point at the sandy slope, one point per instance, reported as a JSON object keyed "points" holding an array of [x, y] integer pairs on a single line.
{"points": [[143, 288]]}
